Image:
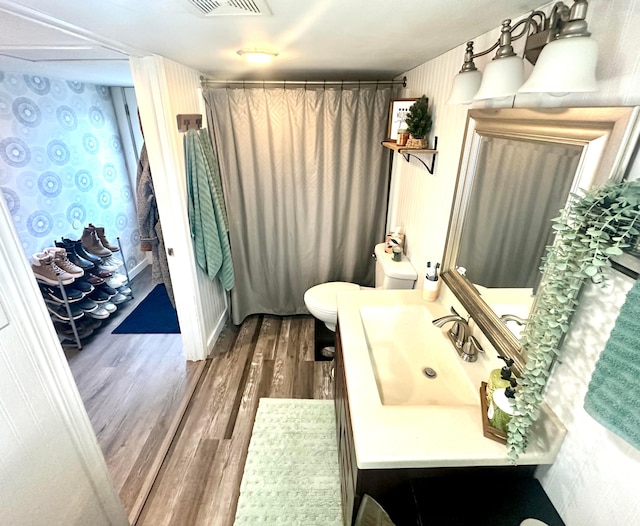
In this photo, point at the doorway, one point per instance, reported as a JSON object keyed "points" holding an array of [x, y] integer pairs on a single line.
{"points": [[63, 164]]}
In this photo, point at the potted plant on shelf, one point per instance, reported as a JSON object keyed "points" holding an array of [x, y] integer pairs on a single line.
{"points": [[418, 123]]}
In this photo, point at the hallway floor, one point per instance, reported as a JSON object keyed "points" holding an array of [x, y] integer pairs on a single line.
{"points": [[175, 434], [135, 388]]}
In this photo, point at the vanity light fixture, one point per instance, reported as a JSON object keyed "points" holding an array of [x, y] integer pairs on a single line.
{"points": [[257, 56], [559, 44]]}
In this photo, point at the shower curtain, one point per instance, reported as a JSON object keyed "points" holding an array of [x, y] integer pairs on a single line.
{"points": [[518, 188], [305, 182]]}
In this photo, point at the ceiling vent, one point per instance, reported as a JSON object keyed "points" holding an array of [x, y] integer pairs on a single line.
{"points": [[230, 7]]}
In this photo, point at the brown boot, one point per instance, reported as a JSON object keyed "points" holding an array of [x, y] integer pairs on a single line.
{"points": [[104, 240], [47, 271], [92, 244], [61, 260]]}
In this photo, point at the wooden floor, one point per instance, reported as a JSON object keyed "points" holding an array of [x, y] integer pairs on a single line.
{"points": [[200, 479], [174, 433], [135, 388]]}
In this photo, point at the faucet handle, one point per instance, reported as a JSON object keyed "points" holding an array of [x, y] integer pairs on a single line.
{"points": [[454, 311], [472, 347]]}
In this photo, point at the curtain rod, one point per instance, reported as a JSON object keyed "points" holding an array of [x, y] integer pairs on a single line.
{"points": [[403, 82]]}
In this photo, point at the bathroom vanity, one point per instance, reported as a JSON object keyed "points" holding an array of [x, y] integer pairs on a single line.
{"points": [[394, 423]]}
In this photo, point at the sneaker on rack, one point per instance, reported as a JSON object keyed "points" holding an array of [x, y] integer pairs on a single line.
{"points": [[119, 298], [60, 311], [109, 265], [109, 307], [60, 258], [94, 280], [124, 290], [99, 314], [104, 240], [92, 244], [109, 290], [47, 271], [84, 331], [116, 280], [55, 294], [87, 305], [83, 285], [101, 272], [112, 260], [99, 296]]}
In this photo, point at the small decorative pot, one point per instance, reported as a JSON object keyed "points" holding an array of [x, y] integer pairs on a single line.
{"points": [[417, 143]]}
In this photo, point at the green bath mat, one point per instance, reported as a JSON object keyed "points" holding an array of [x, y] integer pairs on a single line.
{"points": [[291, 476]]}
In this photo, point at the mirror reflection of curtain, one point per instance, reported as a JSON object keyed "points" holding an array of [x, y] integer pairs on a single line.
{"points": [[305, 183], [519, 186]]}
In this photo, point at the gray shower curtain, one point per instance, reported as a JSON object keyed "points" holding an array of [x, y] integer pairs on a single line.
{"points": [[305, 182], [518, 188]]}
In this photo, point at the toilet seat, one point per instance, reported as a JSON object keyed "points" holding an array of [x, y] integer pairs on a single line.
{"points": [[321, 301]]}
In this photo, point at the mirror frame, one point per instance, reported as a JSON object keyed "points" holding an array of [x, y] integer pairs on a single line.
{"points": [[608, 136]]}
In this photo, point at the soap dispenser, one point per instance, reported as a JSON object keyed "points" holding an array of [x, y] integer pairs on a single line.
{"points": [[499, 378], [503, 406]]}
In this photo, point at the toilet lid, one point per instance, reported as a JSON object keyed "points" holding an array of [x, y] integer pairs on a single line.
{"points": [[323, 296]]}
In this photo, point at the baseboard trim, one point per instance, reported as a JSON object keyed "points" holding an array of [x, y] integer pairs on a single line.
{"points": [[138, 268], [213, 338]]}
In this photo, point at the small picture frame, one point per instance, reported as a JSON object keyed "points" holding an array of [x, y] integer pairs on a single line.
{"points": [[397, 114]]}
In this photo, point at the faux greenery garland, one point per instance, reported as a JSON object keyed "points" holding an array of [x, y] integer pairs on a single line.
{"points": [[593, 227]]}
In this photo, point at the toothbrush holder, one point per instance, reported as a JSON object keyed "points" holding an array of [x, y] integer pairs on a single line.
{"points": [[431, 290]]}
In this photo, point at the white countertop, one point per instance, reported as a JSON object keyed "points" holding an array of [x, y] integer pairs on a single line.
{"points": [[396, 436]]}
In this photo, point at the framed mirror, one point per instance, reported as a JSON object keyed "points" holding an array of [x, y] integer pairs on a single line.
{"points": [[517, 169]]}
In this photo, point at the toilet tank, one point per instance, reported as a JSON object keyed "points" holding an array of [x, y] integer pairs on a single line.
{"points": [[393, 274]]}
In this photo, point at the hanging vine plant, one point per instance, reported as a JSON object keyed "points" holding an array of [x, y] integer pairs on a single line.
{"points": [[594, 226]]}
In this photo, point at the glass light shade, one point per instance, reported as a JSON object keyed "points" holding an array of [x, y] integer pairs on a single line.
{"points": [[502, 78], [257, 56], [566, 65], [465, 86]]}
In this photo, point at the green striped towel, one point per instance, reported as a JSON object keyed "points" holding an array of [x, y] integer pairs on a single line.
{"points": [[207, 215], [613, 397]]}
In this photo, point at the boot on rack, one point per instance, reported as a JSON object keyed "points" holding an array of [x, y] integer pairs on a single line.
{"points": [[47, 271], [73, 255], [104, 240], [77, 245], [60, 258], [92, 244]]}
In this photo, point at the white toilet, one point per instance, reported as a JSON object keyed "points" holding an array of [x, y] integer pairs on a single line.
{"points": [[321, 300]]}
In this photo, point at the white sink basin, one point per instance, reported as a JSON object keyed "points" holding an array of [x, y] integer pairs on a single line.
{"points": [[403, 342]]}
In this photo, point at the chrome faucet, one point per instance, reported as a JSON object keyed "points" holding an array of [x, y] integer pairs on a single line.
{"points": [[460, 335], [513, 317]]}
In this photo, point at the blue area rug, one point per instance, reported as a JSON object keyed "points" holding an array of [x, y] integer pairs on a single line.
{"points": [[154, 315]]}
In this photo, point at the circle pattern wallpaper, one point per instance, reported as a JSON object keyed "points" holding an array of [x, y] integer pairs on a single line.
{"points": [[61, 163]]}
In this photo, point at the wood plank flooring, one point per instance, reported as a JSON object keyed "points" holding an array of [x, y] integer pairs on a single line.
{"points": [[135, 388], [174, 433], [267, 356]]}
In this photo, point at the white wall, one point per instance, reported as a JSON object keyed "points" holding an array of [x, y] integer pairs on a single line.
{"points": [[595, 476], [51, 468], [165, 89]]}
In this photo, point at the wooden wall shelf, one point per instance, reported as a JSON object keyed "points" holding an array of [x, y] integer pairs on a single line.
{"points": [[408, 152]]}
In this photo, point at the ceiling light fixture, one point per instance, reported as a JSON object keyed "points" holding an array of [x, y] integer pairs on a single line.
{"points": [[257, 56], [559, 45]]}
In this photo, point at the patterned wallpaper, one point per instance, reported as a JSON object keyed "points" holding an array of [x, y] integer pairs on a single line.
{"points": [[61, 163]]}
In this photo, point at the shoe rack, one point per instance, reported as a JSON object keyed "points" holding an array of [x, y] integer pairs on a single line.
{"points": [[75, 315]]}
